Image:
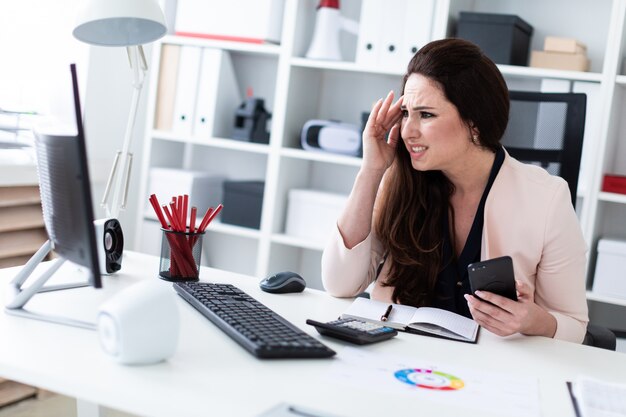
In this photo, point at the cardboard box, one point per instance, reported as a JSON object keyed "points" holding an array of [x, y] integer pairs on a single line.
{"points": [[564, 45], [609, 279], [243, 202], [312, 214], [559, 60], [614, 184], [204, 189], [503, 38]]}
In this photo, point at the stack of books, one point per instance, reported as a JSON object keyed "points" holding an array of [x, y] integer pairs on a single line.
{"points": [[561, 53]]}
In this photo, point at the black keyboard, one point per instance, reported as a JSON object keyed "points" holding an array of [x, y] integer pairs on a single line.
{"points": [[258, 329]]}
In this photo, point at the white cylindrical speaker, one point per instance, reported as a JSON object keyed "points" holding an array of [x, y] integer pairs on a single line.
{"points": [[140, 325]]}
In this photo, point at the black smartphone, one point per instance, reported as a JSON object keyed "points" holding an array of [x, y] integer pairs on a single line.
{"points": [[494, 275]]}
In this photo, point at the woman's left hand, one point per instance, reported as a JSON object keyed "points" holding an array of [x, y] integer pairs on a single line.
{"points": [[505, 317]]}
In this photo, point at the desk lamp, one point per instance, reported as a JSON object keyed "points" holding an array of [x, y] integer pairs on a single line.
{"points": [[129, 23]]}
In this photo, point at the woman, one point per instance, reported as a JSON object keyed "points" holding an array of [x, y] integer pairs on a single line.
{"points": [[440, 192]]}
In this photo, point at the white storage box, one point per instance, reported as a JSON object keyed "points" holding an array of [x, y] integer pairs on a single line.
{"points": [[204, 189], [609, 279], [312, 214], [254, 21]]}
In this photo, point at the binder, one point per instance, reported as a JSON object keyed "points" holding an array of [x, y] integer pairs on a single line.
{"points": [[218, 95], [418, 25], [370, 27], [166, 92], [391, 32], [186, 84], [389, 35]]}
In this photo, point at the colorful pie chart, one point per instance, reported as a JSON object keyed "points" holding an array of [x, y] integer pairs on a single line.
{"points": [[429, 379]]}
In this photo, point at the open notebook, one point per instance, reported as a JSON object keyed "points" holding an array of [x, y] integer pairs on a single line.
{"points": [[424, 320]]}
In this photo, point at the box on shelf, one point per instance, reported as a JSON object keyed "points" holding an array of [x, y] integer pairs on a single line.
{"points": [[204, 189], [609, 279], [253, 21], [243, 201], [565, 45], [503, 38], [559, 60], [312, 214], [614, 184]]}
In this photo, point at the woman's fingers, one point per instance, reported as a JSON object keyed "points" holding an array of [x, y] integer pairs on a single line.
{"points": [[382, 113], [371, 120], [393, 116], [394, 134], [384, 116], [524, 292]]}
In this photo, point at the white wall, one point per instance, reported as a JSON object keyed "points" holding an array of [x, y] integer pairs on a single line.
{"points": [[36, 48]]}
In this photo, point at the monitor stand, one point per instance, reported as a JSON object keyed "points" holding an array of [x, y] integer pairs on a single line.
{"points": [[18, 296]]}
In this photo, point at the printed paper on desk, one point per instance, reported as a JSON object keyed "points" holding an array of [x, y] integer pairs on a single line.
{"points": [[514, 395], [597, 398]]}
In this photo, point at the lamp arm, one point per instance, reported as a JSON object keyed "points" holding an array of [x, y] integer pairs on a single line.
{"points": [[139, 68]]}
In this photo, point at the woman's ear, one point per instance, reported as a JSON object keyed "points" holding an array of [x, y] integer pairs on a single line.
{"points": [[474, 134], [473, 130]]}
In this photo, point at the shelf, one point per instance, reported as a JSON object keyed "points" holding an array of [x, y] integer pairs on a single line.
{"points": [[507, 70], [531, 72], [297, 241], [221, 143], [252, 48], [606, 299], [330, 158], [612, 197], [298, 89], [219, 227], [340, 66]]}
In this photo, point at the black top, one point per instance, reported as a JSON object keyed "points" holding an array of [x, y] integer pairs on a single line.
{"points": [[453, 282]]}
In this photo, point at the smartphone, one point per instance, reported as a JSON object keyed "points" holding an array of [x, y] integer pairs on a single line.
{"points": [[494, 275]]}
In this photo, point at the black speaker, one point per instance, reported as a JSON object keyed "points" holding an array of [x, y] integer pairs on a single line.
{"points": [[110, 242]]}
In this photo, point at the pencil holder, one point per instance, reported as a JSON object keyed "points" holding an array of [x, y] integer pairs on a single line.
{"points": [[180, 255]]}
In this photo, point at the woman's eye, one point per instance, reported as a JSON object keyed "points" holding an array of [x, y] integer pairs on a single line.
{"points": [[426, 115], [405, 114]]}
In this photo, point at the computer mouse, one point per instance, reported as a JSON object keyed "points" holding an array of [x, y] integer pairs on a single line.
{"points": [[283, 282]]}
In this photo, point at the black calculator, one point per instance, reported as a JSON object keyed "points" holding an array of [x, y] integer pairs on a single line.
{"points": [[353, 330]]}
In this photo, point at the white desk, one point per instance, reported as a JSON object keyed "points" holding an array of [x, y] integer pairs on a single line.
{"points": [[212, 375]]}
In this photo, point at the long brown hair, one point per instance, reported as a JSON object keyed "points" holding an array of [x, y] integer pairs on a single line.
{"points": [[413, 234]]}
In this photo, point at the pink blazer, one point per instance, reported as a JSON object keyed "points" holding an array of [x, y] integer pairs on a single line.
{"points": [[528, 216]]}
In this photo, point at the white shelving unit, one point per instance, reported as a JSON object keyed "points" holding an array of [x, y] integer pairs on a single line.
{"points": [[297, 89]]}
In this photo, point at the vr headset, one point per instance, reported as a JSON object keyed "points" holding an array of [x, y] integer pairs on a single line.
{"points": [[332, 136]]}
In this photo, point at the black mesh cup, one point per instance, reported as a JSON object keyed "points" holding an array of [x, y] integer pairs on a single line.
{"points": [[180, 256]]}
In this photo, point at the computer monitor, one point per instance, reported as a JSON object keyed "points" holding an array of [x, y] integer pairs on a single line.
{"points": [[67, 210]]}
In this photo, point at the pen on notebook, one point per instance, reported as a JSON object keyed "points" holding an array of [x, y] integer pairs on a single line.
{"points": [[294, 411], [385, 316]]}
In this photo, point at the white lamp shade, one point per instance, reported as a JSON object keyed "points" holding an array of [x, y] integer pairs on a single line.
{"points": [[120, 22]]}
